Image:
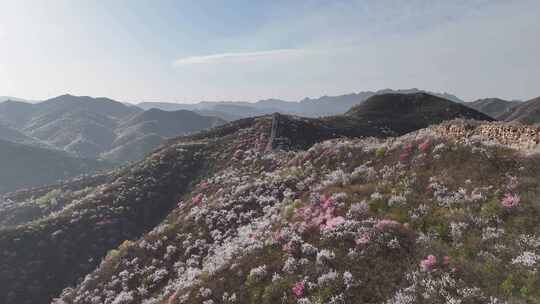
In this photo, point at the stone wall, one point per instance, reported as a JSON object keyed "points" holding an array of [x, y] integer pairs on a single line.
{"points": [[514, 135]]}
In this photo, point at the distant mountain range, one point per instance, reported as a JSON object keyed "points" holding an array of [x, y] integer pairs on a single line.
{"points": [[493, 107], [65, 136], [527, 112], [507, 110], [97, 127], [308, 107], [6, 98]]}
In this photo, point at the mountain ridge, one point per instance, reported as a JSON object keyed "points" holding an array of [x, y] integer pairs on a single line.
{"points": [[494, 107], [90, 127], [309, 107], [527, 112]]}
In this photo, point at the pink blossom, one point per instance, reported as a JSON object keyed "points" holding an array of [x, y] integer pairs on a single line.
{"points": [[446, 260], [329, 212], [384, 223], [327, 201], [329, 152], [173, 297], [290, 247], [510, 200], [333, 222], [403, 157], [363, 239], [318, 220], [197, 199], [278, 236], [105, 222], [203, 185], [407, 150], [298, 289], [286, 247], [321, 214], [425, 145], [428, 263]]}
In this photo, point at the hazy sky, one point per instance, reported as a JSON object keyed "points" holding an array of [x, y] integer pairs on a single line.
{"points": [[188, 51]]}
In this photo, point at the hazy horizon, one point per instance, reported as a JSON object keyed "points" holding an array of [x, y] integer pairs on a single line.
{"points": [[183, 52], [17, 98]]}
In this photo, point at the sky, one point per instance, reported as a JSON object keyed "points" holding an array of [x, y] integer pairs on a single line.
{"points": [[189, 51]]}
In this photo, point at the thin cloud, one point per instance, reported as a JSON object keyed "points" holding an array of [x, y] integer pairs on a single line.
{"points": [[239, 57]]}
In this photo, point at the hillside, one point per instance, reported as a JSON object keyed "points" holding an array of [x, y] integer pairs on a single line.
{"points": [[13, 135], [419, 218], [494, 107], [269, 152], [15, 113], [169, 123], [83, 126], [105, 106], [397, 114], [93, 127], [527, 112], [29, 166], [96, 218], [143, 132]]}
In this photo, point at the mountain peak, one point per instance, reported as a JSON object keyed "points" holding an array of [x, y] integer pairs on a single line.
{"points": [[398, 104]]}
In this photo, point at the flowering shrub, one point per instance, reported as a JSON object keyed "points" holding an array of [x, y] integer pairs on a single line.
{"points": [[527, 259], [406, 152], [197, 199], [386, 223], [428, 263], [425, 145], [298, 289], [340, 223], [321, 215], [204, 184], [358, 210], [257, 274], [510, 200]]}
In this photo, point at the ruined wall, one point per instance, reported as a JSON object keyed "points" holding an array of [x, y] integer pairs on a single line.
{"points": [[514, 135]]}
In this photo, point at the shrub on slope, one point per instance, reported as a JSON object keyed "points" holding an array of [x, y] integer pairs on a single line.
{"points": [[418, 219]]}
